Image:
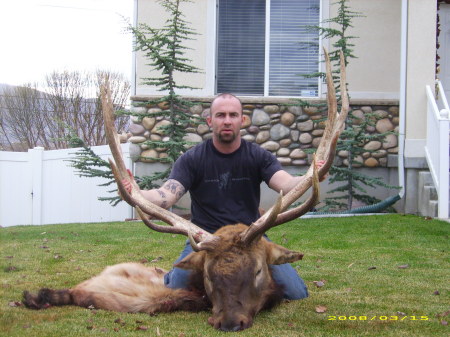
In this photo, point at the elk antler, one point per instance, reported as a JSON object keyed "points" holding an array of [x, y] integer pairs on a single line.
{"points": [[325, 151], [178, 225]]}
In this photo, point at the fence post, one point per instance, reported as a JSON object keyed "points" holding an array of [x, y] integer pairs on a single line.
{"points": [[36, 157]]}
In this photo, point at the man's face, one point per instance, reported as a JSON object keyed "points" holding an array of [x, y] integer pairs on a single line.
{"points": [[225, 119]]}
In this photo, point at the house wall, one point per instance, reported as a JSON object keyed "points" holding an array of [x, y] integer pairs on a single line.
{"points": [[199, 14], [421, 65], [376, 70], [373, 75]]}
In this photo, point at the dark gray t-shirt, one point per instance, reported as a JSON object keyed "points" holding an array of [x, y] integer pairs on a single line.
{"points": [[224, 188]]}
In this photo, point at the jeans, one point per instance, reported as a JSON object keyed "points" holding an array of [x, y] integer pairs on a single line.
{"points": [[283, 274]]}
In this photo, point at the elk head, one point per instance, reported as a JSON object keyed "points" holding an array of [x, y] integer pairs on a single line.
{"points": [[234, 263]]}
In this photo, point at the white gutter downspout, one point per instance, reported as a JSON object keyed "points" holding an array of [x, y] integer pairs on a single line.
{"points": [[402, 110], [134, 53]]}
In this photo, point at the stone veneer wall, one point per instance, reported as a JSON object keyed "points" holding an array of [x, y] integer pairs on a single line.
{"points": [[274, 124]]}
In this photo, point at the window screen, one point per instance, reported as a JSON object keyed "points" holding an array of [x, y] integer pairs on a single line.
{"points": [[242, 41], [241, 47], [291, 53]]}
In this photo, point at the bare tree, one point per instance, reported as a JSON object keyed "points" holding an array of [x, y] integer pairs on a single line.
{"points": [[68, 107], [22, 121], [74, 113]]}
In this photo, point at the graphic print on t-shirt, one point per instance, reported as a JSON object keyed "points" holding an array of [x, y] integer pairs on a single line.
{"points": [[224, 178]]}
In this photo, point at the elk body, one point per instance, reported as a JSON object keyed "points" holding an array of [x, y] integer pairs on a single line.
{"points": [[236, 278], [231, 268]]}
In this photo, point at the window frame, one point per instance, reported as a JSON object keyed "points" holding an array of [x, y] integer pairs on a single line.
{"points": [[323, 10]]}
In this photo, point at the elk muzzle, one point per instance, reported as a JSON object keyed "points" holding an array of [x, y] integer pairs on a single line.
{"points": [[231, 323]]}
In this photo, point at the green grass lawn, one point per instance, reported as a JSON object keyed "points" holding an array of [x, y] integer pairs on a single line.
{"points": [[385, 275]]}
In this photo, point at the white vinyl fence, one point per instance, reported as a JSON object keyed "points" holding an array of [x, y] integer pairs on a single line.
{"points": [[40, 187], [437, 147]]}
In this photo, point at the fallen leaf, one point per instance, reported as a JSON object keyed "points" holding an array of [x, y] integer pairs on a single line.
{"points": [[319, 283], [446, 313], [403, 266], [290, 325], [321, 309], [444, 322], [15, 304], [351, 264], [401, 313], [159, 258], [157, 331], [436, 292], [371, 268], [119, 321], [142, 327], [143, 261]]}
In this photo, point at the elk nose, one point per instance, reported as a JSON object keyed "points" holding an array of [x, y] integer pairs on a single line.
{"points": [[233, 325], [229, 327]]}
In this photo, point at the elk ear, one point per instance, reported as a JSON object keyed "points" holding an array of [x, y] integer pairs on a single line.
{"points": [[194, 260], [277, 254]]}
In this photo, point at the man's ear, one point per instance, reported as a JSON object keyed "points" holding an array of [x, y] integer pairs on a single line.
{"points": [[208, 120], [194, 261]]}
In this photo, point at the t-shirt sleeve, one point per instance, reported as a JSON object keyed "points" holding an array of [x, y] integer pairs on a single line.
{"points": [[182, 171], [270, 165]]}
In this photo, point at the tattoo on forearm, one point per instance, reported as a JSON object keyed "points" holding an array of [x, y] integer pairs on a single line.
{"points": [[163, 202], [174, 187], [162, 194]]}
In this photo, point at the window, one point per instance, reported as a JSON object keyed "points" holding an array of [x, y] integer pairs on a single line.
{"points": [[264, 47]]}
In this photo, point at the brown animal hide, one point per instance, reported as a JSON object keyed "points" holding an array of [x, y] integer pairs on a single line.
{"points": [[232, 277]]}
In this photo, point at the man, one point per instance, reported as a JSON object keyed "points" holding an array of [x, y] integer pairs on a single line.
{"points": [[223, 176]]}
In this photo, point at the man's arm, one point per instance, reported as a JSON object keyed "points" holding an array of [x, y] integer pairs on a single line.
{"points": [[165, 196], [283, 181]]}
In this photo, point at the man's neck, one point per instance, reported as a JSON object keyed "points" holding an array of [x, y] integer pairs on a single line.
{"points": [[226, 148]]}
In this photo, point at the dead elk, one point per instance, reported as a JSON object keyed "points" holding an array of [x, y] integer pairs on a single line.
{"points": [[231, 267]]}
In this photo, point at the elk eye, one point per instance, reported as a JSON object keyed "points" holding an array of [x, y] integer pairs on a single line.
{"points": [[258, 272]]}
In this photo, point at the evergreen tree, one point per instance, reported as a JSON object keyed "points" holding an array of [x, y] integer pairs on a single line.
{"points": [[164, 48], [354, 135]]}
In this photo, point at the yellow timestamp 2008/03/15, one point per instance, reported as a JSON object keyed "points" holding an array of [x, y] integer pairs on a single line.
{"points": [[377, 318]]}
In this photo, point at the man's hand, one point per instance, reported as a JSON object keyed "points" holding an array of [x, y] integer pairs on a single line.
{"points": [[126, 183], [319, 164]]}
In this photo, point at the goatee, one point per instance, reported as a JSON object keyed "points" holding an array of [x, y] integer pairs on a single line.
{"points": [[226, 139]]}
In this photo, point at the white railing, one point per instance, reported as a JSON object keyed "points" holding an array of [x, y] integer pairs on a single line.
{"points": [[40, 187], [437, 146]]}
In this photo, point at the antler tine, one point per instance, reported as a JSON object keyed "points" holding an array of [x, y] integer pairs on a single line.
{"points": [[178, 225], [274, 218], [325, 151]]}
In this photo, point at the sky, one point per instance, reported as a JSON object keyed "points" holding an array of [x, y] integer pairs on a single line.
{"points": [[41, 36]]}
